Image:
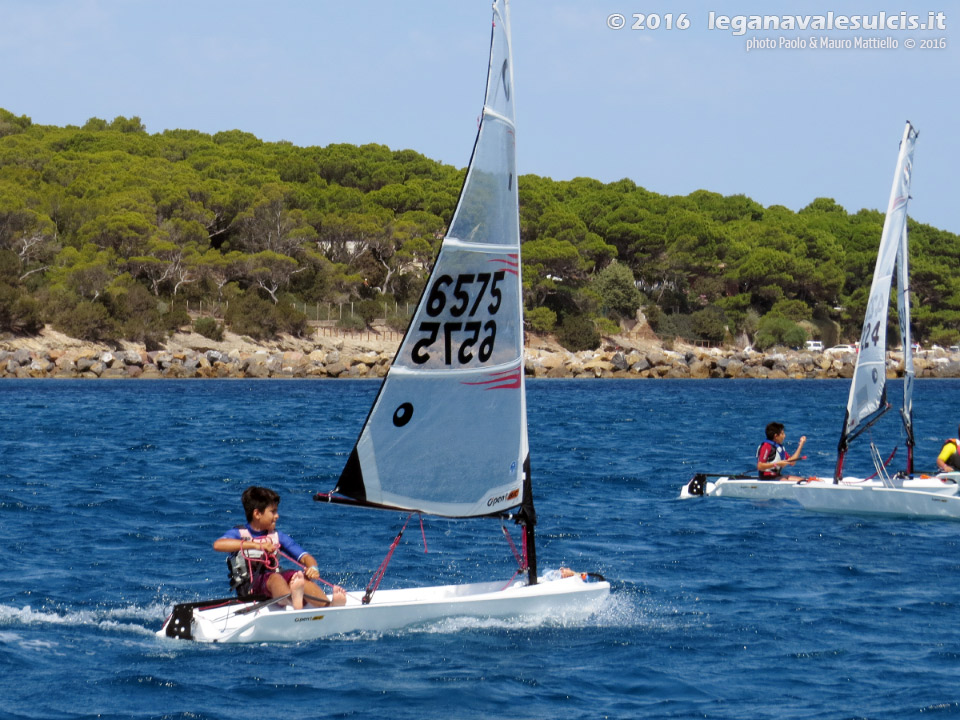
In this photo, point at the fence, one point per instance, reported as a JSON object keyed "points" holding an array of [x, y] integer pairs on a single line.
{"points": [[321, 317], [316, 312]]}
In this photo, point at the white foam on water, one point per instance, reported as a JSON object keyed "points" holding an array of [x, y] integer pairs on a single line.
{"points": [[617, 610], [111, 619]]}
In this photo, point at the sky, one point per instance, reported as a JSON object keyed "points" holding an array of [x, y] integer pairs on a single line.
{"points": [[674, 109]]}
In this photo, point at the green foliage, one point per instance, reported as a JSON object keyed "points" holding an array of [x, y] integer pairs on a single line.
{"points": [[252, 316], [795, 310], [778, 330], [260, 319], [709, 324], [10, 124], [88, 213], [606, 326], [617, 290], [176, 317], [577, 332], [352, 322], [19, 313], [541, 319], [675, 325], [139, 315], [369, 310], [208, 327], [88, 321]]}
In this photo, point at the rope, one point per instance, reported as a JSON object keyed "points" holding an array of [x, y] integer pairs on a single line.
{"points": [[268, 559], [521, 561], [512, 578], [884, 465], [378, 575], [423, 534], [304, 567]]}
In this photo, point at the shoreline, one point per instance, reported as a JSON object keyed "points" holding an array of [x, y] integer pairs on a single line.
{"points": [[50, 354]]}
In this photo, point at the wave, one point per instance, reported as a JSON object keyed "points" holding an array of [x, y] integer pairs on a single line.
{"points": [[113, 619]]}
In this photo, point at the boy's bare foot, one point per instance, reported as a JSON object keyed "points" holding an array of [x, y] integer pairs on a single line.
{"points": [[296, 591], [339, 596]]}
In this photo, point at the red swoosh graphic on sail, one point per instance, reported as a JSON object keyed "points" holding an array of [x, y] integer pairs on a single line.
{"points": [[512, 263], [507, 380]]}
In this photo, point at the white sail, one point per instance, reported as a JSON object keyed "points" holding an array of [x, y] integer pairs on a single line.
{"points": [[868, 388], [447, 434]]}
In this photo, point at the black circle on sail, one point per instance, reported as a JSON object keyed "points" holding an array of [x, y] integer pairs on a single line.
{"points": [[402, 415]]}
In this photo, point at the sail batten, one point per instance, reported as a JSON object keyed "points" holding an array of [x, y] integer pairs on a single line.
{"points": [[447, 434], [494, 115]]}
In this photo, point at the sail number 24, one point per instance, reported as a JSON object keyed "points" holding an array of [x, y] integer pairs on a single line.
{"points": [[461, 299]]}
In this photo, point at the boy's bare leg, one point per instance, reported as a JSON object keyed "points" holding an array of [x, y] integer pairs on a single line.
{"points": [[296, 590], [339, 596]]}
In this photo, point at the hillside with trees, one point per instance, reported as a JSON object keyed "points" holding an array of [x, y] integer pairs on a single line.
{"points": [[108, 232]]}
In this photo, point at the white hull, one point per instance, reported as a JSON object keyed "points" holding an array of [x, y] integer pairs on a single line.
{"points": [[395, 609], [902, 502], [751, 489], [732, 487]]}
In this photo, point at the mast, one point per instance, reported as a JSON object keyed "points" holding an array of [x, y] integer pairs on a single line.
{"points": [[527, 517], [868, 391], [903, 311]]}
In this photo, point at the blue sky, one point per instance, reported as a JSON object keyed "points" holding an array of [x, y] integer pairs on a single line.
{"points": [[674, 110]]}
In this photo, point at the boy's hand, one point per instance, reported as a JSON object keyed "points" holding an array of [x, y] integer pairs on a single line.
{"points": [[269, 546]]}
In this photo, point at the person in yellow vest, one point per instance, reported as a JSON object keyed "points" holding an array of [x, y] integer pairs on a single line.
{"points": [[949, 458]]}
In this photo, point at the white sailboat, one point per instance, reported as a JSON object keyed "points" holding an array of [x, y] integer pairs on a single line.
{"points": [[867, 399], [903, 493], [447, 434]]}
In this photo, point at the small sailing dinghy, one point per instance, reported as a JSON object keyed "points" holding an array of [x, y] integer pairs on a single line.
{"points": [[447, 434], [867, 399], [903, 493]]}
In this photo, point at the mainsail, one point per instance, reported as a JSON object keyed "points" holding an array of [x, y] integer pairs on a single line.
{"points": [[867, 400], [447, 434]]}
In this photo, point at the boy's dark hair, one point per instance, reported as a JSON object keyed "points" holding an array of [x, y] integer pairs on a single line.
{"points": [[774, 429], [258, 498]]}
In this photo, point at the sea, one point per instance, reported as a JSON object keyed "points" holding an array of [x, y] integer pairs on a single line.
{"points": [[112, 493]]}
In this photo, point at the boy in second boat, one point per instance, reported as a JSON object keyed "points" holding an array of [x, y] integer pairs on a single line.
{"points": [[772, 456]]}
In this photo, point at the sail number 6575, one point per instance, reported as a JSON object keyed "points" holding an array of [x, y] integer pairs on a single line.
{"points": [[465, 296]]}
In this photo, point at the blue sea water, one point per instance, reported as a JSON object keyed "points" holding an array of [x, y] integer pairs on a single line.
{"points": [[111, 494]]}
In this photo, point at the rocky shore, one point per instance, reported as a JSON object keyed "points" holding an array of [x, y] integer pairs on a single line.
{"points": [[368, 355]]}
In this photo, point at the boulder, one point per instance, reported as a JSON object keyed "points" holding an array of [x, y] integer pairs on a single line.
{"points": [[699, 370], [131, 357], [256, 369]]}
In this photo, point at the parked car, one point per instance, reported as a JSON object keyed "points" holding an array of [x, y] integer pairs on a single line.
{"points": [[840, 349], [814, 346], [954, 349]]}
